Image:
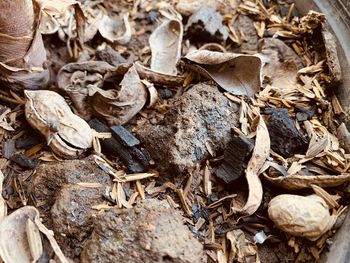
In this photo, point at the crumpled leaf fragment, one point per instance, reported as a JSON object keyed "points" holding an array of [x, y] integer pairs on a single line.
{"points": [[94, 90], [110, 29], [117, 107], [22, 52], [281, 64], [305, 216], [159, 78], [260, 154], [236, 73], [165, 43], [14, 239], [75, 79], [242, 250], [66, 133]]}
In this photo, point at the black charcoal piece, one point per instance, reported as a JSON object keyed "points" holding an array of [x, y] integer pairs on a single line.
{"points": [[132, 157], [29, 142], [206, 24], [23, 161], [8, 148], [235, 159], [285, 137], [124, 136]]}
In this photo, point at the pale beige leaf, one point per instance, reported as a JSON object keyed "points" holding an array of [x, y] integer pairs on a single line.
{"points": [[165, 43], [112, 30]]}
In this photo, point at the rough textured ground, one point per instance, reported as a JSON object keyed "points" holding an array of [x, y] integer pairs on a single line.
{"points": [[150, 232], [200, 121]]}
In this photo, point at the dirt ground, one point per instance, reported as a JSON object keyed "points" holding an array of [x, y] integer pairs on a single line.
{"points": [[152, 166]]}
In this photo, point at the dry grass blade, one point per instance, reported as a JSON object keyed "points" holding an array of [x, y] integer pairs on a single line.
{"points": [[139, 176], [331, 202], [184, 202], [206, 181], [260, 154]]}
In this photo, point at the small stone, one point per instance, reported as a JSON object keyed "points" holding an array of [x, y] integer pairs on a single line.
{"points": [[8, 148], [150, 232], [235, 159], [110, 56], [201, 116], [206, 24]]}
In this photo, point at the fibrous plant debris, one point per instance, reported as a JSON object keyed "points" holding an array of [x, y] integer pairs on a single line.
{"points": [[146, 96]]}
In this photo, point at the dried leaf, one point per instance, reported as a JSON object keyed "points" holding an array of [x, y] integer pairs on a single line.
{"points": [[259, 156], [281, 63], [76, 79], [22, 52], [236, 73], [117, 107], [66, 133], [165, 43], [110, 29], [305, 216]]}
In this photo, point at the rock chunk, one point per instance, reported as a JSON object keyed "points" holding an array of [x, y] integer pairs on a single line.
{"points": [[206, 24], [150, 232], [51, 177], [72, 212], [199, 123], [286, 139]]}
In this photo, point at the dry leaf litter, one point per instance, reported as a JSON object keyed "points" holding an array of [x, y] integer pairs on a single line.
{"points": [[169, 131]]}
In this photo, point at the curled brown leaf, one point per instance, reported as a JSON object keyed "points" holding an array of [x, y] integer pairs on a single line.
{"points": [[256, 162], [236, 73]]}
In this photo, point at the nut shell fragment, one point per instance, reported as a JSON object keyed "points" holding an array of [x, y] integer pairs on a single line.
{"points": [[67, 134], [297, 182], [304, 216]]}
